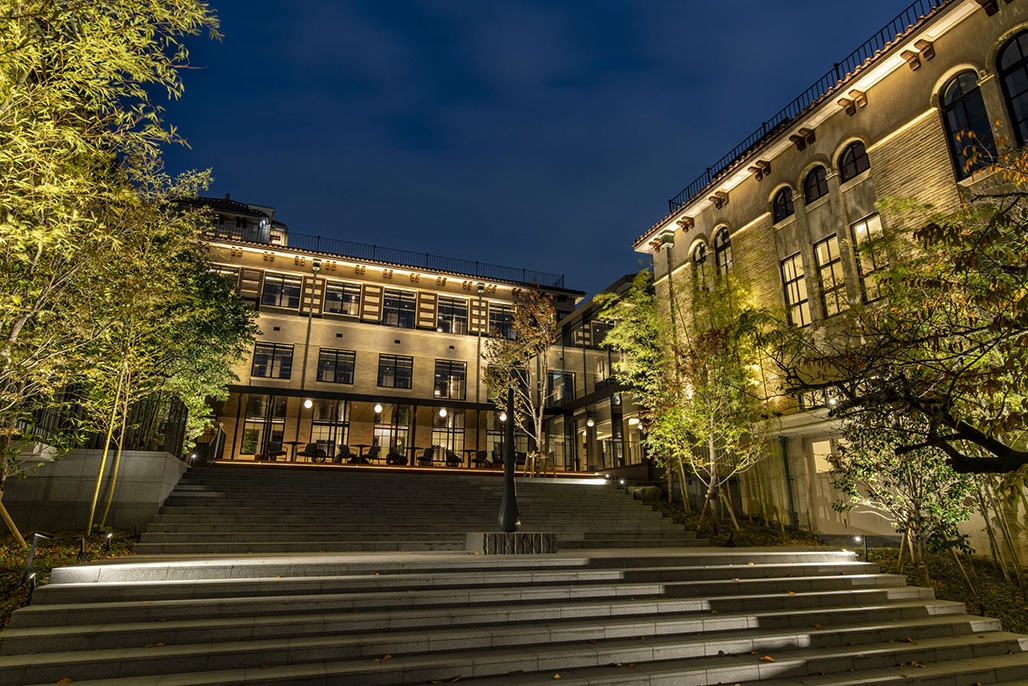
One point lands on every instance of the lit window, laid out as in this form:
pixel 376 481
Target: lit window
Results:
pixel 699 266
pixel 343 298
pixel 398 308
pixel 871 255
pixel 560 386
pixel 501 320
pixel 815 185
pixel 853 161
pixel 395 371
pixel 281 290
pixel 781 206
pixel 452 315
pixel 272 361
pixel 336 366
pixel 829 271
pixel 1012 66
pixel 723 252
pixel 795 285
pixel 967 124
pixel 450 379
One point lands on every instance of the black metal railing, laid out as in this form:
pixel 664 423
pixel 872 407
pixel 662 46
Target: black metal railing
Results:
pixel 406 258
pixel 907 20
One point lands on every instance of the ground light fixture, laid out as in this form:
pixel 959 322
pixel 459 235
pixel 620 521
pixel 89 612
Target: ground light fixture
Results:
pixel 862 539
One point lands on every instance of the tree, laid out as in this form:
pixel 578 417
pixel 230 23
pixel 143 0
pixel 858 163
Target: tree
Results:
pixel 76 115
pixel 523 362
pixel 947 342
pixel 694 380
pixel 917 492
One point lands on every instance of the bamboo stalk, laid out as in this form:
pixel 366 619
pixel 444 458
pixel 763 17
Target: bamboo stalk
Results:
pixel 993 544
pixel 103 457
pixel 1005 528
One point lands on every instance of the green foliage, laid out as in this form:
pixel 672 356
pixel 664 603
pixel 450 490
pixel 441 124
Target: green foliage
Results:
pixel 916 490
pixel 695 379
pixel 521 363
pixel 947 343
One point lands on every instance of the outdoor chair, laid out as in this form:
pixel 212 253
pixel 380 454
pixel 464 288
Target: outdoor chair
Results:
pixel 344 454
pixel 452 460
pixel 428 457
pixel 272 453
pixel 395 458
pixel 313 452
pixel 482 459
pixel 372 453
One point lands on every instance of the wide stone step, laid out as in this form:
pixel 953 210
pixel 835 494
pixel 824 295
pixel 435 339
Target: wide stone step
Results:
pixel 423 608
pixel 246 587
pixel 682 655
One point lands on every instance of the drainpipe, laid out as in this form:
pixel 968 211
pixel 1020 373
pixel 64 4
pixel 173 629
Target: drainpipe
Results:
pixel 784 442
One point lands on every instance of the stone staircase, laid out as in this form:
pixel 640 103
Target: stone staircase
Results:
pixel 630 616
pixel 274 509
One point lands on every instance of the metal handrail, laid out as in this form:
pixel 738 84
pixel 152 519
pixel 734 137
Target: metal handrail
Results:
pixel 907 20
pixel 407 258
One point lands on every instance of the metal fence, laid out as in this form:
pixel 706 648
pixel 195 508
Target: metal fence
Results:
pixel 907 20
pixel 406 258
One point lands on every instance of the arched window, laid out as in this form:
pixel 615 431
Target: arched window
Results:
pixel 1012 66
pixel 699 266
pixel 723 251
pixel 781 206
pixel 963 113
pixel 815 185
pixel 853 161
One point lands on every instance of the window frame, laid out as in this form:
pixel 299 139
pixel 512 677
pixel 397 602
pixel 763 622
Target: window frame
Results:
pixel 831 276
pixel 1004 74
pixel 451 316
pixel 795 285
pixel 820 184
pixel 277 296
pixel 450 380
pixel 782 205
pixel 864 255
pixel 280 353
pixel 346 298
pixel 956 149
pixel 850 161
pixel 723 251
pixel 403 305
pixel 397 364
pixel 699 262
pixel 335 355
pixel 502 328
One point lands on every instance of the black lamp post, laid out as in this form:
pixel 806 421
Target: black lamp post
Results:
pixel 509 516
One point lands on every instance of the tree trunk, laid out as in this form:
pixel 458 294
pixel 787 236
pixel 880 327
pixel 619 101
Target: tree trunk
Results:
pixel 997 557
pixel 681 481
pixel 103 457
pixel 117 458
pixel 731 513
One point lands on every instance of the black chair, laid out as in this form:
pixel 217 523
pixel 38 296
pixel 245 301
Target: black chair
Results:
pixel 428 457
pixel 313 452
pixel 482 459
pixel 372 454
pixel 344 454
pixel 395 458
pixel 272 453
pixel 452 460
pixel 520 459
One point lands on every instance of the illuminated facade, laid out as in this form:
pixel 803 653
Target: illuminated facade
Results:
pixel 784 209
pixel 363 350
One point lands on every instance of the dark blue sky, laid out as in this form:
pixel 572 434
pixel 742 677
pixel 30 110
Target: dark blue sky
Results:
pixel 545 135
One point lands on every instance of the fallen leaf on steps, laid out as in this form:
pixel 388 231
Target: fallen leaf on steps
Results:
pixel 818 626
pixel 767 658
pixel 556 676
pixel 66 681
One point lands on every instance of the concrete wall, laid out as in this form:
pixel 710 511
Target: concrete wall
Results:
pixel 55 496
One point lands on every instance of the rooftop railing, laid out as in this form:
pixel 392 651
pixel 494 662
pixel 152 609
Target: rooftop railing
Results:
pixel 406 258
pixel 908 19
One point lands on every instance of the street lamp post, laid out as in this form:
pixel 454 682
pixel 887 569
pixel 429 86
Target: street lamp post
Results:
pixel 509 515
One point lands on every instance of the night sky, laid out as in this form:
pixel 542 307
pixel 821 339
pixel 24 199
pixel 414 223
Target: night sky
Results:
pixel 545 135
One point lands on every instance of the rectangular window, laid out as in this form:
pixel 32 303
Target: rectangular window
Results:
pixel 392 428
pixel 829 271
pixel 450 379
pixel 272 360
pixel 399 308
pixel 560 386
pixel 264 422
pixel 395 371
pixel 336 366
pixel 281 290
pixel 871 256
pixel 343 298
pixel 452 315
pixel 795 290
pixel 501 320
pixel 330 424
pixel 448 434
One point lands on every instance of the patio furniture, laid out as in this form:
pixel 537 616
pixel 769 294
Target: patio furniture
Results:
pixel 482 459
pixel 344 454
pixel 452 460
pixel 395 458
pixel 427 457
pixel 313 452
pixel 272 452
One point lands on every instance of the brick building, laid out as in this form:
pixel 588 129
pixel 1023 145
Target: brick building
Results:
pixel 784 209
